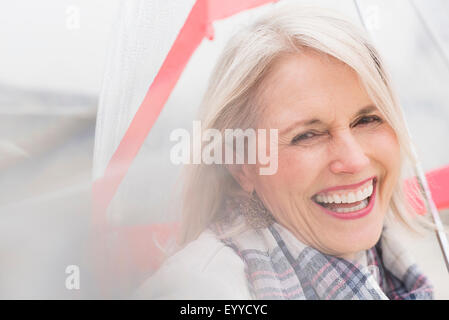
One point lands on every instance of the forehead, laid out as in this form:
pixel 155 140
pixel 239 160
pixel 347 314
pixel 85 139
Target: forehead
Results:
pixel 310 84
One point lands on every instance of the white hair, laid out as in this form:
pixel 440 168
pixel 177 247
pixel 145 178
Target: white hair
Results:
pixel 231 100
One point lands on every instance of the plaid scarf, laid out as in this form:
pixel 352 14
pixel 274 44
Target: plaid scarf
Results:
pixel 279 266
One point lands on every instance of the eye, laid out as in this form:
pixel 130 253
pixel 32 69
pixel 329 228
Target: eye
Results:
pixel 307 136
pixel 368 120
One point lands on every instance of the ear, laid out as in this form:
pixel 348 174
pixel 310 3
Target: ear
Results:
pixel 242 174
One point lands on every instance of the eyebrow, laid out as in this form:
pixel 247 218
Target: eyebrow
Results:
pixel 308 122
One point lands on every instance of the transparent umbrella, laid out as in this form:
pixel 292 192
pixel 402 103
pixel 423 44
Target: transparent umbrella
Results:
pixel 426 35
pixel 156 74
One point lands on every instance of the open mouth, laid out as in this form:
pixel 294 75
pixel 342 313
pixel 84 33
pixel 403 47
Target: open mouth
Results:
pixel 348 201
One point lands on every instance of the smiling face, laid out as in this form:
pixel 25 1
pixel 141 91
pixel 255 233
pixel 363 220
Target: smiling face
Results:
pixel 338 158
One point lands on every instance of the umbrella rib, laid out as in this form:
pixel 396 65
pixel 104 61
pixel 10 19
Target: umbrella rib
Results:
pixel 423 184
pixel 359 13
pixel 422 181
pixel 431 34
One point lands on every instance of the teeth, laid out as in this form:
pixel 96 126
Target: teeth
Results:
pixel 362 205
pixel 337 199
pixel 349 197
pixel 365 193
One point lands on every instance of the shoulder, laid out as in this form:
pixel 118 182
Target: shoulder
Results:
pixel 205 269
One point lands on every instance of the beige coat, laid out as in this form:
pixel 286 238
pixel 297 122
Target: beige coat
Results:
pixel 204 269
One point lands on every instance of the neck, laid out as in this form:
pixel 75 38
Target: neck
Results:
pixel 356 257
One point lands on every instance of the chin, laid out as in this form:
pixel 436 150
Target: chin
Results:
pixel 358 238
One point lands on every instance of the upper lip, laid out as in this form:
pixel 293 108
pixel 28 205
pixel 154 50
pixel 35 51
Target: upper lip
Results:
pixel 347 186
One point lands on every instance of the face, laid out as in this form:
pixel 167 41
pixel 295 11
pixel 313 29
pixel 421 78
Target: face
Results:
pixel 338 158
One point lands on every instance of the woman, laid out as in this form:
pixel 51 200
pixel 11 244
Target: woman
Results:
pixel 316 228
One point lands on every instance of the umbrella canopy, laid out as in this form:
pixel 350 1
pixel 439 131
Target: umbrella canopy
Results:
pixel 135 181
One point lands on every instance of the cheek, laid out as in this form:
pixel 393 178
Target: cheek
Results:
pixel 383 147
pixel 287 192
pixel 298 169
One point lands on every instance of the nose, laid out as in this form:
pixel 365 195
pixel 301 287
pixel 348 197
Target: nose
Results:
pixel 348 156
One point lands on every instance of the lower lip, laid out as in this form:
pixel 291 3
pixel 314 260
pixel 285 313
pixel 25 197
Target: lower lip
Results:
pixel 354 214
